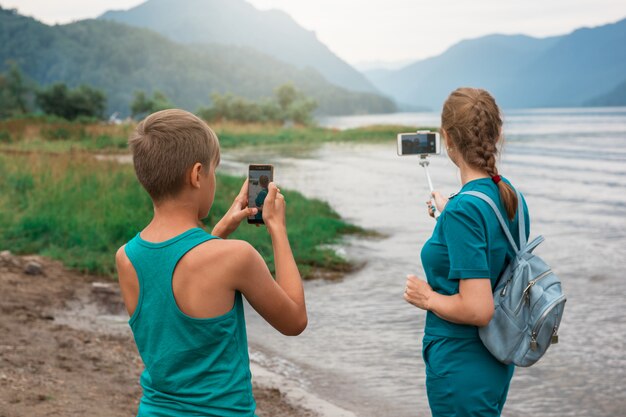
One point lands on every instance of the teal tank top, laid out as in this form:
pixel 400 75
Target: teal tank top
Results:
pixel 193 366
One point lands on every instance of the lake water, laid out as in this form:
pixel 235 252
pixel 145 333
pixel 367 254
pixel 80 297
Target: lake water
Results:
pixel 362 349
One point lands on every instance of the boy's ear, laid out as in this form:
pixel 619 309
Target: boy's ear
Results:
pixel 196 172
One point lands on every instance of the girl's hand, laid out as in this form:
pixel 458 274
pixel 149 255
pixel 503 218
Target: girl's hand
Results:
pixel 440 203
pixel 417 292
pixel 237 212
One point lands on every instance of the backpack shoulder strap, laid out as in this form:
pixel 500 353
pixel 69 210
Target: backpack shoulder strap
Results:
pixel 503 224
pixel 521 220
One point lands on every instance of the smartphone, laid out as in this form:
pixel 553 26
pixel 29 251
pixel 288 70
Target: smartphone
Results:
pixel 419 143
pixel 259 177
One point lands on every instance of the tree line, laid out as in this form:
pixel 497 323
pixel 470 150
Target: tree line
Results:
pixel 19 96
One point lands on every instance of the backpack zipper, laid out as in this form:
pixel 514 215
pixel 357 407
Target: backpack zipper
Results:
pixel 506 285
pixel 533 334
pixel 526 293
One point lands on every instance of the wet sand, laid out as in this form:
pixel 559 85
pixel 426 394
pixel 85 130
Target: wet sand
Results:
pixel 51 368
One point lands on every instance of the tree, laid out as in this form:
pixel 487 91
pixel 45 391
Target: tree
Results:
pixel 287 104
pixel 14 92
pixel 61 101
pixel 286 94
pixel 143 105
pixel 301 111
pixel 295 106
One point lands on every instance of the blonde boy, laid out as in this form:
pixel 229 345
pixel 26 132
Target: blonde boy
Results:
pixel 183 287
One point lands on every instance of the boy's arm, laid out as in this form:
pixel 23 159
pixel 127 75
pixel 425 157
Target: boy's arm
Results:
pixel 237 212
pixel 281 301
pixel 127 277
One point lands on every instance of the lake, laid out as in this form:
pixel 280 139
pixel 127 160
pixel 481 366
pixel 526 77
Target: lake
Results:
pixel 362 349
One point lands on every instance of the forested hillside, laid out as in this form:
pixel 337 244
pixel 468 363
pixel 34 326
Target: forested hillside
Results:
pixel 120 59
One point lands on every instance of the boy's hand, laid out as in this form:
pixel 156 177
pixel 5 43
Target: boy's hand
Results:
pixel 274 209
pixel 235 214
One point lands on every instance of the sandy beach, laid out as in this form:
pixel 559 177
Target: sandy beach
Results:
pixel 67 351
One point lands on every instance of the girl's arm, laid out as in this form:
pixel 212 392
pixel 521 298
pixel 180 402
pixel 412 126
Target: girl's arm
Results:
pixel 472 305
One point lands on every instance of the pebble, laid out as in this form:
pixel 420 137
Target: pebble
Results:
pixel 8 259
pixel 33 268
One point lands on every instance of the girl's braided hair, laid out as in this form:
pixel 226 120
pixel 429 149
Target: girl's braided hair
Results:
pixel 472 121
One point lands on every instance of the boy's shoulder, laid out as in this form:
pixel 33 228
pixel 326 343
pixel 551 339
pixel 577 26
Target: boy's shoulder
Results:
pixel 226 254
pixel 121 259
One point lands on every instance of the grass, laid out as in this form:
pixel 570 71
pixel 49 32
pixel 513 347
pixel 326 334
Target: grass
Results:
pixel 58 201
pixel 78 210
pixel 57 135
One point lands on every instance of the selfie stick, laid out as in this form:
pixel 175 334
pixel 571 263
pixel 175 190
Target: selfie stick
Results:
pixel 424 163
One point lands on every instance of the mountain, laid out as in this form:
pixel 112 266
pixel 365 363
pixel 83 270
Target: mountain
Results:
pixel 121 59
pixel 237 22
pixel 615 97
pixel 472 62
pixel 520 71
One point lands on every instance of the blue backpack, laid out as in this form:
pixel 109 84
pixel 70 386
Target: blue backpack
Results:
pixel 528 300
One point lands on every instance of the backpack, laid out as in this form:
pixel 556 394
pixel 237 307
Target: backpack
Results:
pixel 528 300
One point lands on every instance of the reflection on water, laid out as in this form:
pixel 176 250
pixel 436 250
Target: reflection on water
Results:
pixel 362 348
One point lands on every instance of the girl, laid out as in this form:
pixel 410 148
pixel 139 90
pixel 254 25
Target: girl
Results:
pixel 462 260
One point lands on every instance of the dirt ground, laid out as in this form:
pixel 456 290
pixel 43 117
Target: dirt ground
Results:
pixel 49 368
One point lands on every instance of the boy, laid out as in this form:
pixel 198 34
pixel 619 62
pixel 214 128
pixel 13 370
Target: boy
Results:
pixel 183 287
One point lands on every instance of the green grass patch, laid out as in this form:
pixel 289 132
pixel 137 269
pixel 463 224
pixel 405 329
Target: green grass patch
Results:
pixel 78 210
pixel 50 134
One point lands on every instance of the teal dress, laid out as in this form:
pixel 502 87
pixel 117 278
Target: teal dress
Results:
pixel 462 377
pixel 193 366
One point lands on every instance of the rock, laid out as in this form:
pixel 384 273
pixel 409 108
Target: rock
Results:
pixel 8 259
pixel 33 268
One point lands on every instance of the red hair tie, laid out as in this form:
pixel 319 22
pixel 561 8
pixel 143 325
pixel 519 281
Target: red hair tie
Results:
pixel 496 179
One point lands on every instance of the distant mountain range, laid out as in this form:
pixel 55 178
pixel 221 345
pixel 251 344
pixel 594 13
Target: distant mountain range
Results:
pixel 615 97
pixel 189 49
pixel 585 67
pixel 121 59
pixel 237 22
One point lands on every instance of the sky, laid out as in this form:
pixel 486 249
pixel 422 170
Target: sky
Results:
pixel 389 33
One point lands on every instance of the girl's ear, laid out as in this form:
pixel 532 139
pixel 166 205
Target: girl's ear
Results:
pixel 196 172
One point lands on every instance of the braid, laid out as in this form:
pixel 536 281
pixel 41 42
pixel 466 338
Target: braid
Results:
pixel 481 150
pixel 475 112
pixel 486 146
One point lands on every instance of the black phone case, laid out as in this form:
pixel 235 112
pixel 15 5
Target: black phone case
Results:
pixel 271 169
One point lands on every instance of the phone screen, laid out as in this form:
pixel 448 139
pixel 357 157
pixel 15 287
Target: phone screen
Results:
pixel 259 177
pixel 418 143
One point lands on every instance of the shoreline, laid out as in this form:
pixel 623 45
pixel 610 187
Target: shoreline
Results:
pixel 68 349
pixel 306 403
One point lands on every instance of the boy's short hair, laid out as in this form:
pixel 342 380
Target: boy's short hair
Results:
pixel 166 145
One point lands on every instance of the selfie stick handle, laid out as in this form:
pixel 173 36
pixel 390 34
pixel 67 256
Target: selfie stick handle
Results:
pixel 424 162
